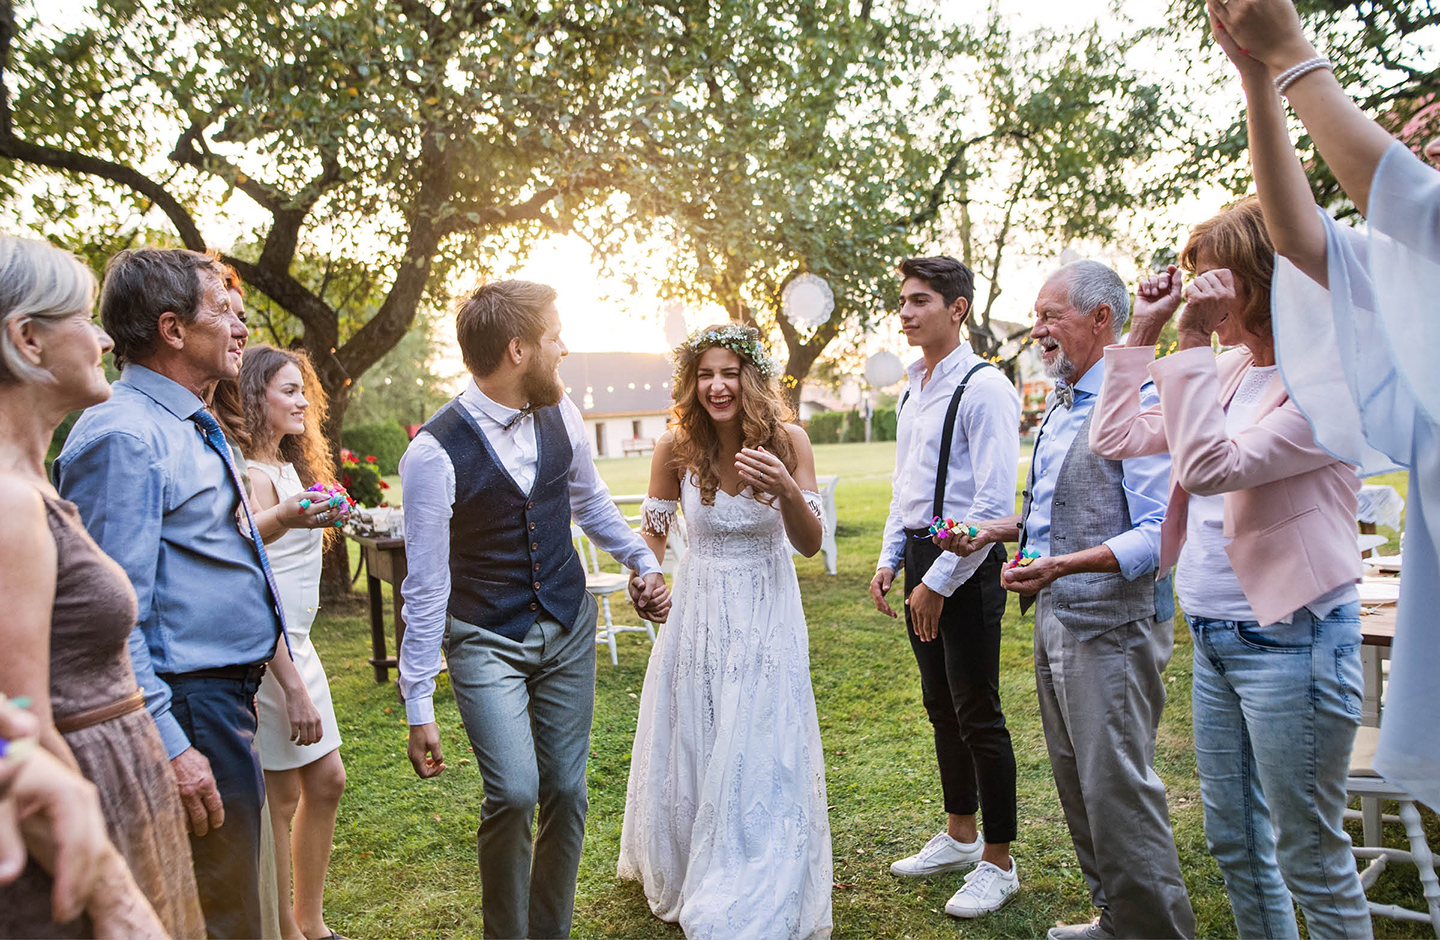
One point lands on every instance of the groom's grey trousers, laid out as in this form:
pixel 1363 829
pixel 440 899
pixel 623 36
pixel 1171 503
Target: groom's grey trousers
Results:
pixel 1100 704
pixel 527 706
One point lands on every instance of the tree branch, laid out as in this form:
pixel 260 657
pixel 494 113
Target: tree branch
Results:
pixel 12 147
pixel 931 206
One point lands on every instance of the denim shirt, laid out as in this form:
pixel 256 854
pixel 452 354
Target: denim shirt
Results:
pixel 161 502
pixel 1147 480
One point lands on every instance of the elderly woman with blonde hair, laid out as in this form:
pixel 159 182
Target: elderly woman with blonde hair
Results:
pixel 69 608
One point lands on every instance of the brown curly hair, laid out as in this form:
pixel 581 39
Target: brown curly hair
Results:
pixel 240 407
pixel 1237 240
pixel 763 414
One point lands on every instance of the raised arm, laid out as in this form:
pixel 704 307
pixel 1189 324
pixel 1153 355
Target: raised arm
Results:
pixel 1350 143
pixel 1122 428
pixel 1285 197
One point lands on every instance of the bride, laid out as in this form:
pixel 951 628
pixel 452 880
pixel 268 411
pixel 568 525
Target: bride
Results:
pixel 725 819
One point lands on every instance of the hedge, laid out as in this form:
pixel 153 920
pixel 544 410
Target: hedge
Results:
pixel 387 440
pixel 825 427
pixel 830 427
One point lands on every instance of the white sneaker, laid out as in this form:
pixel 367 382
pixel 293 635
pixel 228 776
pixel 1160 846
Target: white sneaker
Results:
pixel 986 889
pixel 1090 931
pixel 941 854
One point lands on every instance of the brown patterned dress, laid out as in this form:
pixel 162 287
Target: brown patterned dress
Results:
pixel 91 621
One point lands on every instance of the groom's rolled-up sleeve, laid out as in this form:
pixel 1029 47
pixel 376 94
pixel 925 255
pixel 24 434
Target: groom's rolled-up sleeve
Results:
pixel 591 506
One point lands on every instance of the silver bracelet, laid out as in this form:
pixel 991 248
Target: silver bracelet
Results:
pixel 1294 73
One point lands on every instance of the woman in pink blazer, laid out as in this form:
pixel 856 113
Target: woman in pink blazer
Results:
pixel 1262 523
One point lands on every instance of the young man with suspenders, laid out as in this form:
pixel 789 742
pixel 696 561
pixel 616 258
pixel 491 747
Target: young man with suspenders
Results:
pixel 957 449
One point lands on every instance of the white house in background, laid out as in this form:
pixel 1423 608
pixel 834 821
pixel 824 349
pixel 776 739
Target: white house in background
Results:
pixel 625 398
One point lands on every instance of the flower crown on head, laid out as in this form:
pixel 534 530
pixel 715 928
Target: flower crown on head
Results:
pixel 741 340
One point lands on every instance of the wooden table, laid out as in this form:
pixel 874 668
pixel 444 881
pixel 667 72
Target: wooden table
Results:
pixel 1377 633
pixel 384 560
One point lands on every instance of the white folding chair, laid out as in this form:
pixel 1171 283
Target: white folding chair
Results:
pixel 1365 783
pixel 601 585
pixel 828 549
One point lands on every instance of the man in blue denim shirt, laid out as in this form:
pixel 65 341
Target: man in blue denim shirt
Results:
pixel 164 504
pixel 1104 628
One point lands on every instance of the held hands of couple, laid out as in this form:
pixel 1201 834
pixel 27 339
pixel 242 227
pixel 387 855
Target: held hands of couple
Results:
pixel 651 597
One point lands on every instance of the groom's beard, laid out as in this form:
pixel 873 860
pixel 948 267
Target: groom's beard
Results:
pixel 1060 368
pixel 541 386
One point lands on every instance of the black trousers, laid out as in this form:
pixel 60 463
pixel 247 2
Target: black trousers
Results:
pixel 960 685
pixel 218 715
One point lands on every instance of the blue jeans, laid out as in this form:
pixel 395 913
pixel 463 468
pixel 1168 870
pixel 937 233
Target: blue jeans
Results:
pixel 1275 711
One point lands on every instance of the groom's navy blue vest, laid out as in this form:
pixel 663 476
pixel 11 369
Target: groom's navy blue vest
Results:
pixel 511 558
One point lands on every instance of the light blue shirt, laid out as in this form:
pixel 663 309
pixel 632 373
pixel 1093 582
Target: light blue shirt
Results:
pixel 1146 480
pixel 161 502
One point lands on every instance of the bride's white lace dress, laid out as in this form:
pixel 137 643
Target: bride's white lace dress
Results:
pixel 725 817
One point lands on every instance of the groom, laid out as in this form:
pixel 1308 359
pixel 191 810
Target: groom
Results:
pixel 490 485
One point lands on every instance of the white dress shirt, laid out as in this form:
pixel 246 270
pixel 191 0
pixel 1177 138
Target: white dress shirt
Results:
pixel 983 460
pixel 427 480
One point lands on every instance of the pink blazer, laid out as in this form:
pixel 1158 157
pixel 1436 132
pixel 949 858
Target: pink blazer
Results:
pixel 1289 506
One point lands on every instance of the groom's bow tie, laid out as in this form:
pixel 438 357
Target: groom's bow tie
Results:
pixel 518 416
pixel 1065 394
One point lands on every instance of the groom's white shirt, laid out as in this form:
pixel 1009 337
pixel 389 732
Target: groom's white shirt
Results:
pixel 427 480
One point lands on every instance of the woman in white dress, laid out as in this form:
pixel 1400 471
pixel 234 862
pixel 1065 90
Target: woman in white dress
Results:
pixel 277 420
pixel 725 815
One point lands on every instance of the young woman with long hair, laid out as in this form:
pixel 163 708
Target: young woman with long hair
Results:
pixel 274 411
pixel 725 816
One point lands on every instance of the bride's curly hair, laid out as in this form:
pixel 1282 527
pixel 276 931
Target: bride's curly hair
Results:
pixel 763 412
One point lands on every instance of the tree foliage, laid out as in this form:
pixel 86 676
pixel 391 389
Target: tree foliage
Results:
pixel 874 134
pixel 393 138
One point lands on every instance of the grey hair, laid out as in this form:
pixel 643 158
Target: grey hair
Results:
pixel 1091 284
pixel 37 282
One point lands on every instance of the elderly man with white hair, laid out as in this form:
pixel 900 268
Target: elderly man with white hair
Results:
pixel 1103 622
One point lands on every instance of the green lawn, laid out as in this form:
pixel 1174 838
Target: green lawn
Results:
pixel 404 861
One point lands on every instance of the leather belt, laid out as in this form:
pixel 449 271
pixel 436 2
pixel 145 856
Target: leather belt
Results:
pixel 248 673
pixel 94 716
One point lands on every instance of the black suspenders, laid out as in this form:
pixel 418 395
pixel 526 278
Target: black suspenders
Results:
pixel 942 471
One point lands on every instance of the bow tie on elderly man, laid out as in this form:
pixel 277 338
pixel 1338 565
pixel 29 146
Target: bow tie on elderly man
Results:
pixel 1064 394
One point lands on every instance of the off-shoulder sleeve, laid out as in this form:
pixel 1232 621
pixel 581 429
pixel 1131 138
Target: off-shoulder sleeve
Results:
pixel 816 504
pixel 657 516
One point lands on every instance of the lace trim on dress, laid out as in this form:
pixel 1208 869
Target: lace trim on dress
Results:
pixel 816 504
pixel 657 515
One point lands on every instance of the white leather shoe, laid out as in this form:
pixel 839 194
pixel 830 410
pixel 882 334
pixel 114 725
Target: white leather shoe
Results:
pixel 940 854
pixel 986 890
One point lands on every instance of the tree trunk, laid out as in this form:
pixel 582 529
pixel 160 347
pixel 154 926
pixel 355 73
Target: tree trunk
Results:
pixel 335 570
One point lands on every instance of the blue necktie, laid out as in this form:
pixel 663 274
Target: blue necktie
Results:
pixel 210 428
